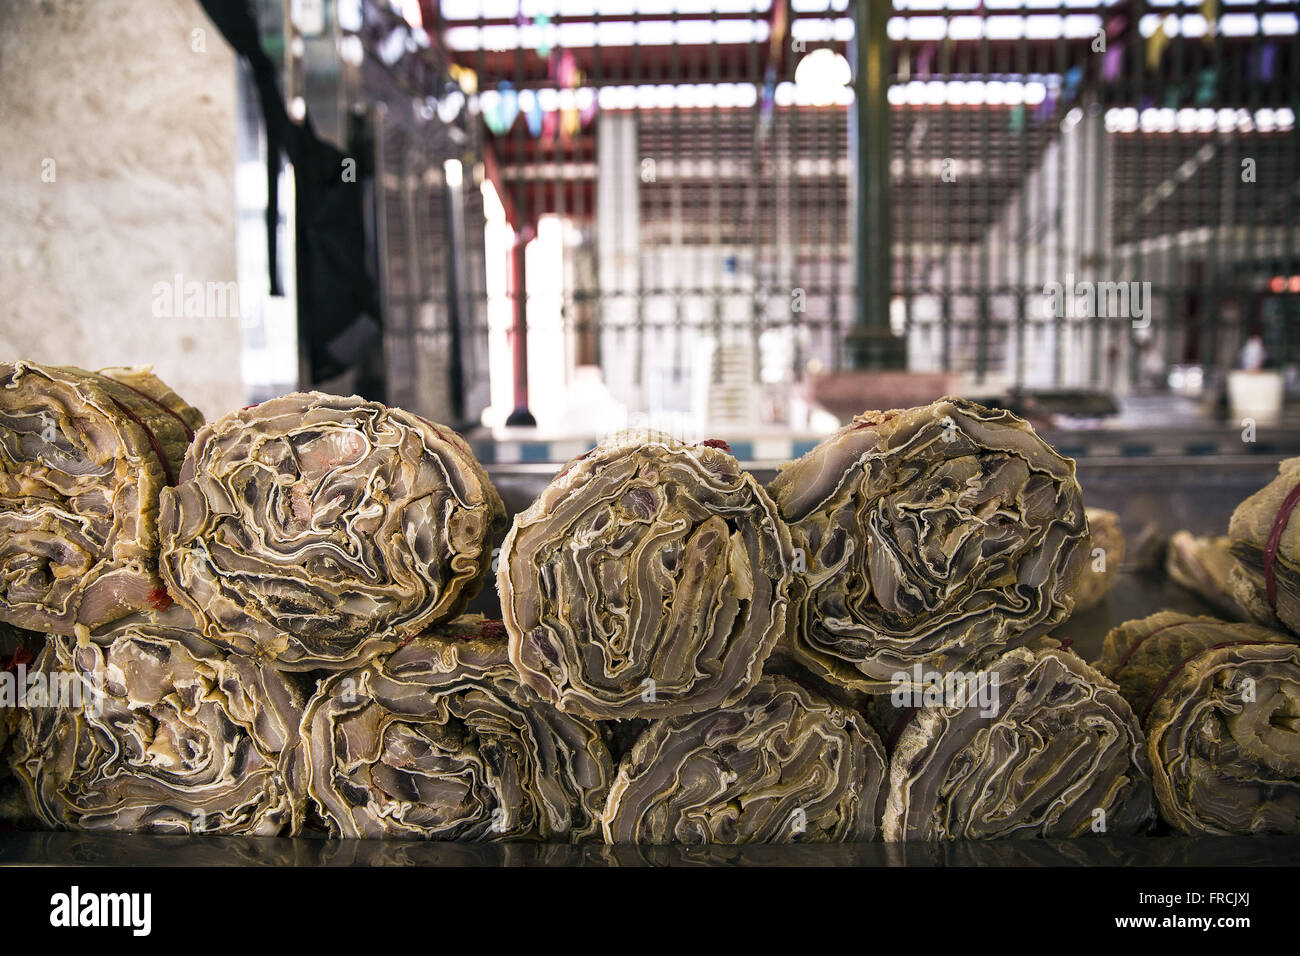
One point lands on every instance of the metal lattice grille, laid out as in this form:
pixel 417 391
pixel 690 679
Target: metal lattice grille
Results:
pixel 710 194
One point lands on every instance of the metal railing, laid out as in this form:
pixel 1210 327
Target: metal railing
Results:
pixel 1074 193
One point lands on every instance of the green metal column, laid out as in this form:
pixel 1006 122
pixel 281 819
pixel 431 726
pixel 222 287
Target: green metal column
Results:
pixel 870 343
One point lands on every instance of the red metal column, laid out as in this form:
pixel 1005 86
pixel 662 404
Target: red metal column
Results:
pixel 519 331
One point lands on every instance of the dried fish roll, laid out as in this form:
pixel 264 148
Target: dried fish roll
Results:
pixel 1104 554
pixel 1058 754
pixel 1220 702
pixel 83 459
pixel 932 536
pixel 314 531
pixel 649 579
pixel 783 765
pixel 439 741
pixel 146 727
pixel 1265 535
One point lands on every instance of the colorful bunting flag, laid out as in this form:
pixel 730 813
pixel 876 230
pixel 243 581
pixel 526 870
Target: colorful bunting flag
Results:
pixel 502 115
pixel 543 24
pixel 1156 44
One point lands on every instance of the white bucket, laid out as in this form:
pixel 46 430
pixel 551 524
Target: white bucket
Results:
pixel 1256 395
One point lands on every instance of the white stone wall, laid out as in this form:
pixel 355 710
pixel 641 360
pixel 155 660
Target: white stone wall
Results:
pixel 140 128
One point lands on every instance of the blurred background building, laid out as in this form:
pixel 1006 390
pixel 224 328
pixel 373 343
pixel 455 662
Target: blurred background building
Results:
pixel 751 218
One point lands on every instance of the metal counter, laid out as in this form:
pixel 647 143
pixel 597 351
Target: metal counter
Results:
pixel 116 849
pixel 1152 497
